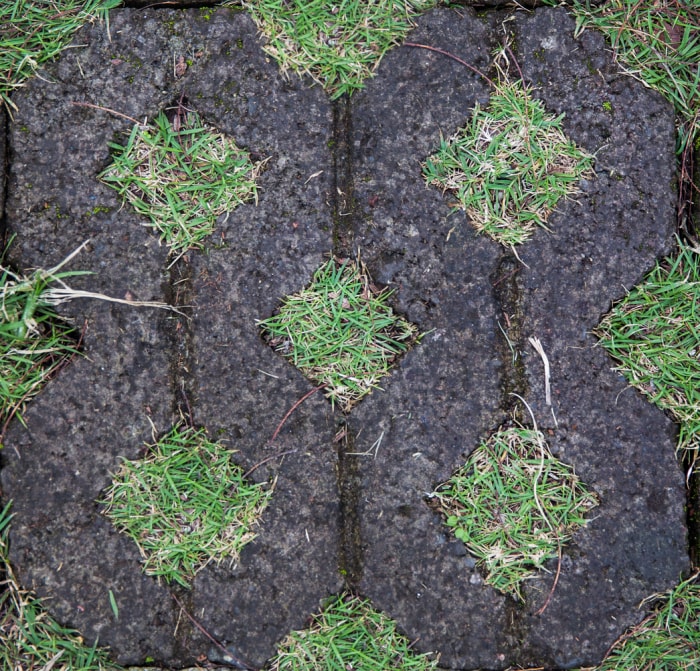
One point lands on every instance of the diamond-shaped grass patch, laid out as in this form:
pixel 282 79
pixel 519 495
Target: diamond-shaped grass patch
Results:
pixel 340 332
pixel 348 634
pixel 34 341
pixel 339 44
pixel 654 335
pixel 182 175
pixel 513 505
pixel 185 504
pixel 509 166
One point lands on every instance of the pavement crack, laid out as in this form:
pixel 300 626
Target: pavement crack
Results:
pixel 343 209
pixel 4 172
pixel 693 518
pixel 350 554
pixel 179 292
pixel 508 299
pixel 342 198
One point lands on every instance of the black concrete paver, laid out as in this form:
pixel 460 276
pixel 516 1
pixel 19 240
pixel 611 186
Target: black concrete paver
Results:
pixel 343 177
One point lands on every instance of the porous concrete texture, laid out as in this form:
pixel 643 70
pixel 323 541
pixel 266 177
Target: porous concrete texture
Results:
pixel 349 508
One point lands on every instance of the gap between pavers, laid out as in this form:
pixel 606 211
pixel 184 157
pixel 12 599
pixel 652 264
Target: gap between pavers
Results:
pixel 447 394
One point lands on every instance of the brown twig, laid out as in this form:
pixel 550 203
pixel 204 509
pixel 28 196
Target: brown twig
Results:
pixel 292 409
pixel 452 56
pixel 106 109
pixel 241 664
pixel 554 584
pixel 264 461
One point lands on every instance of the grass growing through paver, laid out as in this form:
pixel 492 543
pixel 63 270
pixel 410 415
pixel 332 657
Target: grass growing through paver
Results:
pixel 31 640
pixel 185 504
pixel 666 640
pixel 340 332
pixel 35 31
pixel 654 335
pixel 338 44
pixel 348 634
pixel 34 341
pixel 510 165
pixel 513 505
pixel 182 175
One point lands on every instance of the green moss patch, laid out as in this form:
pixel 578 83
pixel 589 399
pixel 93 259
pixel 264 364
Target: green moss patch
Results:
pixel 338 44
pixel 182 175
pixel 185 504
pixel 340 332
pixel 509 166
pixel 513 505
pixel 348 634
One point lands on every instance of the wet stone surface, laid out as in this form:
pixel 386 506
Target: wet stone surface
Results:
pixel 340 178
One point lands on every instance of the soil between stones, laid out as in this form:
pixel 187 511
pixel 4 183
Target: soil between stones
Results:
pixel 343 177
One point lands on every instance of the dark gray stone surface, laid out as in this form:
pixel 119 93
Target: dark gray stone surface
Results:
pixel 343 177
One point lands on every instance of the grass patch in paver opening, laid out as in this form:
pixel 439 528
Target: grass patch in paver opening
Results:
pixel 340 332
pixel 509 166
pixel 35 31
pixel 338 44
pixel 666 640
pixel 31 640
pixel 34 341
pixel 348 634
pixel 654 335
pixel 185 504
pixel 513 505
pixel 182 175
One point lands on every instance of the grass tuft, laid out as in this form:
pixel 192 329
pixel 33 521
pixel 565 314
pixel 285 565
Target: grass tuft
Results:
pixel 340 332
pixel 33 32
pixel 509 166
pixel 185 504
pixel 654 335
pixel 666 640
pixel 513 505
pixel 348 634
pixel 30 640
pixel 182 175
pixel 338 44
